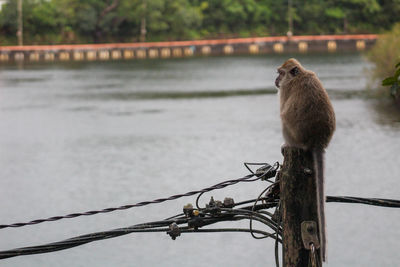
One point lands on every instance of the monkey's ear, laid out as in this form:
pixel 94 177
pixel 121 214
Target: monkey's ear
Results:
pixel 294 71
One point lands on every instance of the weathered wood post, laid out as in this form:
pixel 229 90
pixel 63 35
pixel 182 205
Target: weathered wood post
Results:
pixel 298 196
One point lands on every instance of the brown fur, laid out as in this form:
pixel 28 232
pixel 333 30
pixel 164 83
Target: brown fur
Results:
pixel 308 121
pixel 307 114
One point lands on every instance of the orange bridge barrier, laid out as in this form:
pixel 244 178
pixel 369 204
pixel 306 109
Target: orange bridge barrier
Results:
pixel 115 51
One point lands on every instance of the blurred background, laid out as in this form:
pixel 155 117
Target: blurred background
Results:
pixel 87 21
pixel 84 135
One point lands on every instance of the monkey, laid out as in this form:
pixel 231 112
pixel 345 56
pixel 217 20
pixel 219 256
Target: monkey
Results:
pixel 308 122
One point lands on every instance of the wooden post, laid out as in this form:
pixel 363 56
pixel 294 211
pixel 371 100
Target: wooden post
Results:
pixel 298 204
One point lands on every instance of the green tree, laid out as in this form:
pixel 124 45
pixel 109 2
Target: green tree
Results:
pixel 44 22
pixel 356 15
pixel 71 21
pixel 41 19
pixel 243 17
pixel 182 19
pixel 386 54
pixel 8 20
pixel 94 18
pixel 165 19
pixel 393 82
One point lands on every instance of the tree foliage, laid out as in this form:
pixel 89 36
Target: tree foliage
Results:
pixel 386 56
pixel 75 21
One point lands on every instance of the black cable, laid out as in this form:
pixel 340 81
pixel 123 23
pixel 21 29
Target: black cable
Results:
pixel 278 222
pixel 258 217
pixel 221 185
pixel 382 202
pixel 157 226
pixel 345 199
pixel 207 216
pixel 264 174
pixel 53 247
pixel 218 186
pixel 255 203
pixel 248 212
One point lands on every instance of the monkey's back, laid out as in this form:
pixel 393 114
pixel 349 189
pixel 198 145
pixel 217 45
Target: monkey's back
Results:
pixel 307 112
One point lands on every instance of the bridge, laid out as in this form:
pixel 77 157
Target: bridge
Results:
pixel 127 51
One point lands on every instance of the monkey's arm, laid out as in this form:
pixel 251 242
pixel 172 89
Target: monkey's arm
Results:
pixel 293 122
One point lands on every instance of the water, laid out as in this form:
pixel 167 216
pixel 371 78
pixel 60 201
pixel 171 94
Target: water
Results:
pixel 83 136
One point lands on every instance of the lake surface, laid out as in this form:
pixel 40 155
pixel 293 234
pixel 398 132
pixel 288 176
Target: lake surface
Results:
pixel 83 136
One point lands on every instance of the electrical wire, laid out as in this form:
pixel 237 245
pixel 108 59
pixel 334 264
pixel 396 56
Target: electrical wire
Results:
pixel 208 217
pixel 381 202
pixel 271 173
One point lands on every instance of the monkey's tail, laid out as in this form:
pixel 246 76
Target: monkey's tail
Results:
pixel 318 155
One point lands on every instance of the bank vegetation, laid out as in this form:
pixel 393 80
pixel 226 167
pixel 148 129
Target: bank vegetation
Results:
pixel 101 21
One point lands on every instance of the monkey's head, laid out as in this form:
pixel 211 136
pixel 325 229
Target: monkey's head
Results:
pixel 289 70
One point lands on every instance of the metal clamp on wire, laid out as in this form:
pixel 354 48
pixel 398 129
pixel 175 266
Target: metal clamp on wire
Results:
pixel 174 231
pixel 188 210
pixel 214 206
pixel 195 218
pixel 266 171
pixel 196 222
